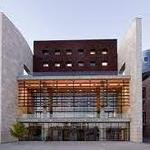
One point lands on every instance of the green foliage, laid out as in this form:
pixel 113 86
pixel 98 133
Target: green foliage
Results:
pixel 18 130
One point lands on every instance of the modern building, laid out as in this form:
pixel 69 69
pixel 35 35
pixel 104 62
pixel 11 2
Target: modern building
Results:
pixel 146 105
pixel 79 90
pixel 146 97
pixel 146 61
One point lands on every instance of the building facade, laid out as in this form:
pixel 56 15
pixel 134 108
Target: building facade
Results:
pixel 146 61
pixel 82 98
pixel 146 97
pixel 79 90
pixel 75 56
pixel 146 104
pixel 75 108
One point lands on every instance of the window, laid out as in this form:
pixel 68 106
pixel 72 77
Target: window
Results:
pixel 57 64
pixel 104 51
pixel 45 52
pixel 92 52
pixel 144 92
pixel 92 63
pixel 145 59
pixel 104 63
pixel 69 64
pixel 81 64
pixel 45 65
pixel 68 52
pixel 81 51
pixel 57 52
pixel 110 99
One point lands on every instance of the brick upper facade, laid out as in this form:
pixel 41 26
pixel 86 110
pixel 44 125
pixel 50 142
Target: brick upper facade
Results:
pixel 75 55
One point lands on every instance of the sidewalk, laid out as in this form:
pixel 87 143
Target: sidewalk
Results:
pixel 75 146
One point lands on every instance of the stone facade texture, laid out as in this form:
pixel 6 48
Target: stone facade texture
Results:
pixel 130 54
pixel 14 54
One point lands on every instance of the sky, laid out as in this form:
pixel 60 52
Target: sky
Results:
pixel 77 19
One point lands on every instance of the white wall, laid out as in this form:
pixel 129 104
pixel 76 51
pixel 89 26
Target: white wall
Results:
pixel 14 53
pixel 130 52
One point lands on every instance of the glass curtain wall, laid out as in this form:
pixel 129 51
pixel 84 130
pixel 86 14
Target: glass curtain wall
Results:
pixel 73 98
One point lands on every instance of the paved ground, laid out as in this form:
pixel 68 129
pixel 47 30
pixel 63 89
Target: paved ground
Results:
pixel 75 146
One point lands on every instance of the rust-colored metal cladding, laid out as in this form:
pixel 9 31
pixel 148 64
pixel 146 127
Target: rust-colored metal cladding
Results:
pixel 75 55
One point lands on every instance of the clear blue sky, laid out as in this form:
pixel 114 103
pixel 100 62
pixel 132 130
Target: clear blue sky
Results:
pixel 76 19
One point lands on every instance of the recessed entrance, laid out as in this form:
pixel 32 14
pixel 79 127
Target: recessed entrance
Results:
pixel 34 133
pixel 78 131
pixel 72 134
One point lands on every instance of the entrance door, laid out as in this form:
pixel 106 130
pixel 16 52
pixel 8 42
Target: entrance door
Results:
pixel 116 134
pixel 54 134
pixel 80 135
pixel 92 134
pixel 35 133
pixel 66 135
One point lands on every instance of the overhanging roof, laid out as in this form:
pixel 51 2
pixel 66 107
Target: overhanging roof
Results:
pixel 30 77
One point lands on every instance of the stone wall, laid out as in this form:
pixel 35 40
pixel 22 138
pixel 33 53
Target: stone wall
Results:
pixel 14 53
pixel 130 53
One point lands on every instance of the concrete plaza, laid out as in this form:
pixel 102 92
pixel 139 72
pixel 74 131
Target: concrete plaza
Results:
pixel 75 146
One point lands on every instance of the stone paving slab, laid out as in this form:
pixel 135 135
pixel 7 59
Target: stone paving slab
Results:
pixel 75 146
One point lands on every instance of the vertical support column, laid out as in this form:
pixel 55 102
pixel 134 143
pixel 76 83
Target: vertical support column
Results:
pixel 136 85
pixel 44 132
pixel 98 101
pixel 73 94
pixel 50 103
pixel 130 53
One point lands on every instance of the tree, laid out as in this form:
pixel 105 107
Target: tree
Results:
pixel 18 130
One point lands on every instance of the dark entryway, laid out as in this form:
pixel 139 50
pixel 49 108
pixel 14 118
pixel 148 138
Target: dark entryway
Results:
pixel 34 133
pixel 78 131
pixel 116 134
pixel 72 134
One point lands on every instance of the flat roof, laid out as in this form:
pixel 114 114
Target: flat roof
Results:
pixel 74 40
pixel 69 77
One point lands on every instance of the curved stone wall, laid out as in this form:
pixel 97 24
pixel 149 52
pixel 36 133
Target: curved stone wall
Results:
pixel 14 54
